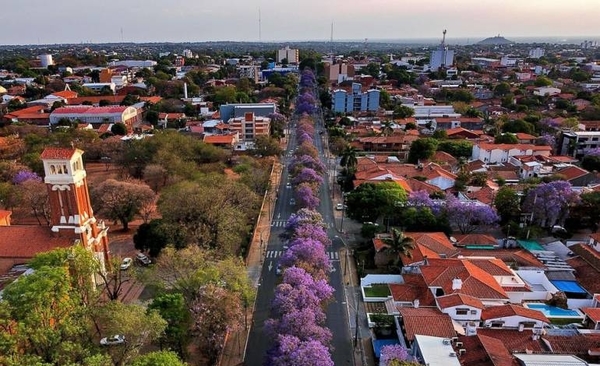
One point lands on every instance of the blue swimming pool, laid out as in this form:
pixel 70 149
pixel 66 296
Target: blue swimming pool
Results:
pixel 553 311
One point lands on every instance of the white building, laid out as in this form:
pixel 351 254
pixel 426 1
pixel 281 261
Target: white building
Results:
pixel 96 115
pixel 513 316
pixel 134 63
pixel 291 54
pixel 46 60
pixel 500 153
pixel 434 351
pixel 537 52
pixel 546 91
pixel 99 86
pixel 251 72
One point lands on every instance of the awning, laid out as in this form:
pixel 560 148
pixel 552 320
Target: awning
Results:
pixel 569 286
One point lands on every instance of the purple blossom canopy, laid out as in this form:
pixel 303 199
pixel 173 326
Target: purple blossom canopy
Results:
pixel 301 323
pixel 298 278
pixel 549 202
pixel 290 350
pixel 468 216
pixel 306 161
pixel 305 197
pixel 308 175
pixel 420 199
pixel 547 139
pixel 289 298
pixel 307 251
pixel 304 137
pixel 25 175
pixel 391 353
pixel 310 231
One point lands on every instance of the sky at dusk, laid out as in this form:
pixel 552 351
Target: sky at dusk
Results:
pixel 75 21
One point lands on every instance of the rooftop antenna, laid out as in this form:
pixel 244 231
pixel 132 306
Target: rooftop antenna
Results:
pixel 259 27
pixel 331 39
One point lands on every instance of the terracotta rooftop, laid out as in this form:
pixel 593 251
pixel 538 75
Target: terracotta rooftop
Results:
pixel 572 172
pixel 452 300
pixel 58 153
pixel 587 276
pixel 219 139
pixel 483 350
pixel 25 241
pixel 592 313
pixel 495 312
pixel 475 281
pixel 67 94
pixel 426 321
pixel 514 340
pixel 474 239
pixel 413 288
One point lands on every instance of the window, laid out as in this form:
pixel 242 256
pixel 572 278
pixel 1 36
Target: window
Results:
pixel 497 324
pixel 528 324
pixel 462 311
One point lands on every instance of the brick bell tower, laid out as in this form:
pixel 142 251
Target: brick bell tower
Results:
pixel 70 205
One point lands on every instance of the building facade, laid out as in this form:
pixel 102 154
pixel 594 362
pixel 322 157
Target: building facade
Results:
pixel 250 126
pixel 97 115
pixel 356 100
pixel 292 55
pixel 228 111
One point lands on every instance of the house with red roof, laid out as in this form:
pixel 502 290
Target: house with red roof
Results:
pixel 461 308
pixel 424 321
pixel 513 316
pixel 97 115
pixel 426 245
pixel 500 153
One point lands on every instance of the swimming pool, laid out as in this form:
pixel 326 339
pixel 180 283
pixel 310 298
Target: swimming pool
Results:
pixel 554 312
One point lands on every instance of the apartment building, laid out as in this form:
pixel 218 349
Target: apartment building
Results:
pixel 355 100
pixel 250 126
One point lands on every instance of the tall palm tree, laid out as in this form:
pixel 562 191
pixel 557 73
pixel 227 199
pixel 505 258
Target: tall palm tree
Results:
pixel 349 158
pixel 399 244
pixel 387 128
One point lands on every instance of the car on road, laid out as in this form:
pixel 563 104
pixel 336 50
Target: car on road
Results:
pixel 288 185
pixel 126 263
pixel 112 340
pixel 278 270
pixel 143 259
pixel 292 201
pixel 339 206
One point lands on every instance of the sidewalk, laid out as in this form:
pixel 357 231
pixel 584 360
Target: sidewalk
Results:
pixel 235 342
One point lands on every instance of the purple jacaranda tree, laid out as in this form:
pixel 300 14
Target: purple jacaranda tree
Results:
pixel 307 149
pixel 276 117
pixel 303 216
pixel 547 139
pixel 394 352
pixel 305 197
pixel 299 278
pixel 289 298
pixel 549 124
pixel 305 126
pixel 302 323
pixel 25 175
pixel 469 216
pixel 305 107
pixel 306 98
pixel 419 199
pixel 593 152
pixel 307 79
pixel 549 203
pixel 304 137
pixel 290 350
pixel 310 231
pixel 309 176
pixel 299 162
pixel 309 254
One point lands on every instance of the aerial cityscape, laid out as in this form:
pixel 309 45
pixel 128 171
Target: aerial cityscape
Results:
pixel 254 183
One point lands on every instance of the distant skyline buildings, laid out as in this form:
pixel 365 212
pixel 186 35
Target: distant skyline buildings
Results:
pixel 469 21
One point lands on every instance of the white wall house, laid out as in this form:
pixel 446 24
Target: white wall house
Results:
pixel 512 316
pixel 546 91
pixel 461 308
pixel 500 153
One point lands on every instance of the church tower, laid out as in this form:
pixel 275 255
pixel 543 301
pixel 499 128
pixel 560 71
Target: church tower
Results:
pixel 70 205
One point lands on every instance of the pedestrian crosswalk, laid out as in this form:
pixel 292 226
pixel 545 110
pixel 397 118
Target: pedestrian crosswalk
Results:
pixel 282 223
pixel 272 254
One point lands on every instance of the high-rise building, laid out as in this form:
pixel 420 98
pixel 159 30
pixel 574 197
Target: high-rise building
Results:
pixel 292 55
pixel 442 57
pixel 536 52
pixel 355 100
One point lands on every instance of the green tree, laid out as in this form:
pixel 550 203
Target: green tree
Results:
pixel 506 138
pixel 542 81
pixel 402 111
pixel 502 89
pixel 508 204
pixel 158 358
pixel 421 149
pixel 370 201
pixel 119 129
pixel 399 245
pixel 139 325
pixel 172 308
pixel 387 128
pixel 349 159
pixel 266 146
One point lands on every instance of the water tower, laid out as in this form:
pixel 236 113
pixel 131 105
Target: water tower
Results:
pixel 46 60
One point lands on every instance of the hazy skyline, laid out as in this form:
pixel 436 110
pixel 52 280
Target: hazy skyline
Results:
pixel 70 21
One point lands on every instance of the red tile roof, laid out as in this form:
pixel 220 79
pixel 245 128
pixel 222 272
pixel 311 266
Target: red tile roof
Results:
pixel 495 312
pixel 219 139
pixel 413 288
pixel 572 172
pixel 430 245
pixel 592 313
pixel 58 153
pixel 506 147
pixel 67 94
pixel 90 110
pixel 514 340
pixel 475 281
pixel 452 300
pixel 475 239
pixel 426 321
pixel 25 241
pixel 483 350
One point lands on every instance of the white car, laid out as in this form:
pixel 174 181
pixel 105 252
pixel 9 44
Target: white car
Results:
pixel 112 340
pixel 339 206
pixel 288 185
pixel 143 259
pixel 126 263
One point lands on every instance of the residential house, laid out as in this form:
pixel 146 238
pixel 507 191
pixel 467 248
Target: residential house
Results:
pixel 461 308
pixel 546 91
pixel 577 176
pixel 424 321
pixel 426 246
pixel 225 141
pixel 513 316
pixel 97 115
pixel 500 153
pixel 434 351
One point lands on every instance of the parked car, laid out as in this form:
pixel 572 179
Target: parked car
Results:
pixel 126 263
pixel 112 340
pixel 143 259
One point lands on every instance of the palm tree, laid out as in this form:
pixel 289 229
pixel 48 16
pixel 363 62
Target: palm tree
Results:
pixel 387 128
pixel 349 159
pixel 399 244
